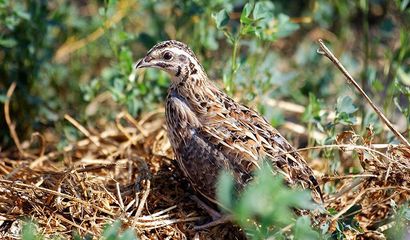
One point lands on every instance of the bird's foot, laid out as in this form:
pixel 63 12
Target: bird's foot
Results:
pixel 216 222
pixel 212 212
pixel 217 218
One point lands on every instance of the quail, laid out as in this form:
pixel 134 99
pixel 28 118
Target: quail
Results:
pixel 210 132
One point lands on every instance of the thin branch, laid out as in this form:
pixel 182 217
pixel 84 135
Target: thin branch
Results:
pixel 326 52
pixel 143 199
pixel 349 176
pixel 10 124
pixel 348 147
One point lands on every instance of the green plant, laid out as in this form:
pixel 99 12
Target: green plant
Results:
pixel 401 217
pixel 264 209
pixel 30 232
pixel 113 232
pixel 257 20
pixel 27 45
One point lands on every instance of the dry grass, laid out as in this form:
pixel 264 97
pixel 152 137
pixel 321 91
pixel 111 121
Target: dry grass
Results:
pixel 119 173
pixel 125 171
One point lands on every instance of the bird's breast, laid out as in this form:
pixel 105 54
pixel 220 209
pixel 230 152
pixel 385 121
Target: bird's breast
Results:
pixel 181 120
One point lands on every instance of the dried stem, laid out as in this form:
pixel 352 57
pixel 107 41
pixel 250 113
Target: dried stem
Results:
pixel 326 52
pixel 10 124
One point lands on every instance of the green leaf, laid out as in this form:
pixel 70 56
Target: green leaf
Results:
pixel 247 9
pixel 3 98
pixel 128 235
pixel 246 20
pixel 404 4
pixel 266 203
pixel 403 76
pixel 22 14
pixel 111 232
pixel 8 43
pixel 345 105
pixel 303 229
pixel 221 18
pixel 126 60
pixel 263 10
pixel 285 26
pixel 248 29
pixel 224 190
pixel 29 232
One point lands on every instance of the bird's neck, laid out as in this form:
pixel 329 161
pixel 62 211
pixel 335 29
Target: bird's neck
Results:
pixel 194 87
pixel 189 79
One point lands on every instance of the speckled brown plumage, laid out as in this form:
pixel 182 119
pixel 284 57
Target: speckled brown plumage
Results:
pixel 209 131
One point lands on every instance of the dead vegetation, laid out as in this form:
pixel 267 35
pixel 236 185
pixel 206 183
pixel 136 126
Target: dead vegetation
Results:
pixel 126 172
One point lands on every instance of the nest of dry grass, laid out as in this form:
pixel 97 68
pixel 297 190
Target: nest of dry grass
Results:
pixel 125 171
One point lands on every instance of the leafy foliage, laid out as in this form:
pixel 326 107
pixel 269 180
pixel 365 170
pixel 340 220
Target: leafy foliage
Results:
pixel 29 232
pixel 257 20
pixel 401 220
pixel 111 232
pixel 266 205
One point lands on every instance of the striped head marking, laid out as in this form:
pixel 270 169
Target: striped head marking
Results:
pixel 171 56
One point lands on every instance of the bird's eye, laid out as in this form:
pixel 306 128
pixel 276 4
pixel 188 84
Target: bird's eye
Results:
pixel 167 55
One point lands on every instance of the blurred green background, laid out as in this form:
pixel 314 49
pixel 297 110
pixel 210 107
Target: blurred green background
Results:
pixel 75 57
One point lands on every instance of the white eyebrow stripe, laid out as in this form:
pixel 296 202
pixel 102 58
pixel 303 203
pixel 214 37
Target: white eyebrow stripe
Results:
pixel 180 51
pixel 191 58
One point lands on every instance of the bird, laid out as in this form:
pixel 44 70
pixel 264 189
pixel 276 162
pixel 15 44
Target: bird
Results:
pixel 210 132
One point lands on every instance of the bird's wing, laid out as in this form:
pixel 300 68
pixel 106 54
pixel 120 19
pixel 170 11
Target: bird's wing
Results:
pixel 243 132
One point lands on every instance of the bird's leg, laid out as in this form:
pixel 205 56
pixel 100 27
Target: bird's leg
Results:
pixel 212 212
pixel 217 218
pixel 221 220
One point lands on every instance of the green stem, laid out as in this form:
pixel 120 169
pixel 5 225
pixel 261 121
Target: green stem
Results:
pixel 234 67
pixel 311 140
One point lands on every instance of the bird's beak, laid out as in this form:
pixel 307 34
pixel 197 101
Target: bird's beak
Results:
pixel 143 62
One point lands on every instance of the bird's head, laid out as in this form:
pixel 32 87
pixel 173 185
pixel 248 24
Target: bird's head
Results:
pixel 171 56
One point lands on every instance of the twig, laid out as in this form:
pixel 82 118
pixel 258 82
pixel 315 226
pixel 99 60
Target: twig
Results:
pixel 354 184
pixel 156 215
pixel 130 119
pixel 82 129
pixel 121 202
pixel 143 199
pixel 326 52
pixel 167 222
pixel 12 127
pixel 93 139
pixel 42 141
pixel 63 219
pixel 332 178
pixel 348 147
